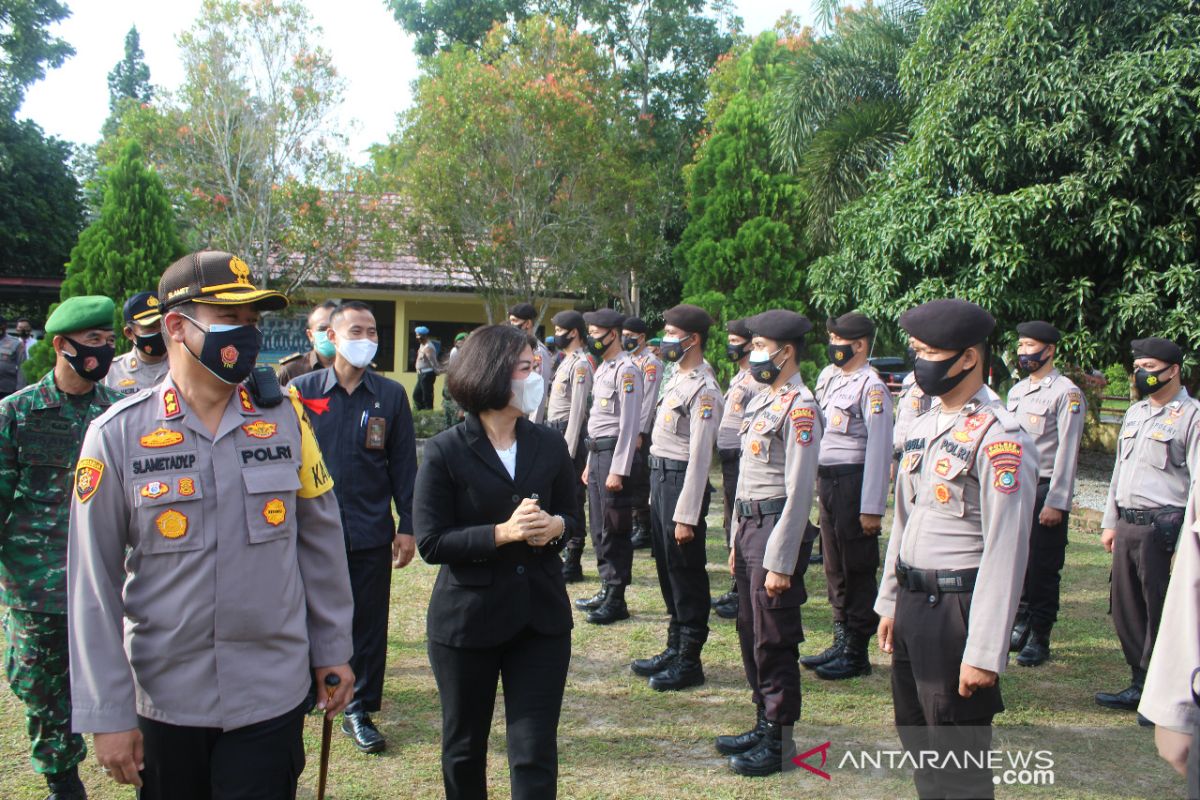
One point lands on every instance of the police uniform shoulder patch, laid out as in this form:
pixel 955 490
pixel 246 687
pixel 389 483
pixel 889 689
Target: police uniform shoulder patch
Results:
pixel 1005 456
pixel 1074 400
pixel 875 400
pixel 88 473
pixel 627 383
pixel 650 373
pixel 706 406
pixel 802 422
pixel 580 374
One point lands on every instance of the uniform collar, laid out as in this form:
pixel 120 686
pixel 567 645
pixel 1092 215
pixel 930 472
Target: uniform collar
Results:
pixel 49 395
pixel 331 380
pixel 1046 382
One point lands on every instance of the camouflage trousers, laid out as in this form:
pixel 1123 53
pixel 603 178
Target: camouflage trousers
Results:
pixel 36 664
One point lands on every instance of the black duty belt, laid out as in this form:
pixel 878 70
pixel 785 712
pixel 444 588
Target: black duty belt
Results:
pixel 559 425
pixel 667 464
pixel 1141 516
pixel 839 470
pixel 729 454
pixel 601 444
pixel 760 508
pixel 935 581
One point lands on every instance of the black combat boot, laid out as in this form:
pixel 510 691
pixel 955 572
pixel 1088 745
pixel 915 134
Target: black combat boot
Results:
pixel 640 538
pixel 1037 648
pixel 595 601
pixel 768 756
pixel 613 609
pixel 1020 633
pixel 685 669
pixel 65 785
pixel 829 653
pixel 851 663
pixel 1128 698
pixel 655 664
pixel 572 570
pixel 743 742
pixel 726 606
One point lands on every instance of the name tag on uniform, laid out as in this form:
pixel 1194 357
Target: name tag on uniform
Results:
pixel 376 433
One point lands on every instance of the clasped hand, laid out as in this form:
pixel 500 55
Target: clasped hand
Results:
pixel 529 524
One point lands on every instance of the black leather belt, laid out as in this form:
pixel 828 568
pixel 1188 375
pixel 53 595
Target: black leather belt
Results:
pixel 1141 516
pixel 839 470
pixel 729 454
pixel 935 581
pixel 668 464
pixel 760 508
pixel 601 444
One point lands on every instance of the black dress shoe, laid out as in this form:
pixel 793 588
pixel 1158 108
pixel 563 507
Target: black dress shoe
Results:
pixel 728 597
pixel 65 785
pixel 1020 633
pixel 1036 650
pixel 727 610
pixel 768 756
pixel 1125 700
pixel 593 602
pixel 1145 722
pixel 359 727
pixel 743 742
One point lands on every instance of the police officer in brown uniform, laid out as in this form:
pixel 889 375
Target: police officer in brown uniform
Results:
pixel 956 559
pixel 772 539
pixel 742 388
pixel 322 352
pixel 146 363
pixel 1051 409
pixel 633 341
pixel 685 428
pixel 614 422
pixel 567 413
pixel 207 577
pixel 523 316
pixel 1157 459
pixel 852 483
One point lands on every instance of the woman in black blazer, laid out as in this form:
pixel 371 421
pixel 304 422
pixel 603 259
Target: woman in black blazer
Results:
pixel 495 520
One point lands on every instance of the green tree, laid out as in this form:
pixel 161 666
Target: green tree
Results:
pixel 744 249
pixel 130 78
pixel 29 48
pixel 1052 173
pixel 125 250
pixel 40 210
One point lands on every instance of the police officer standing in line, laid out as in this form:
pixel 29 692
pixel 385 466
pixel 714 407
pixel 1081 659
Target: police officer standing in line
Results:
pixel 1157 460
pixel 12 355
pixel 741 390
pixel 207 577
pixel 853 480
pixel 523 316
pixel 1051 409
pixel 567 413
pixel 427 368
pixel 146 363
pixel 321 354
pixel 365 429
pixel 614 422
pixel 772 539
pixel 952 577
pixel 910 404
pixel 633 340
pixel 685 429
pixel 41 431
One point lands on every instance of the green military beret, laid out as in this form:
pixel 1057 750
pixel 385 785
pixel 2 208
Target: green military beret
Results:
pixel 80 313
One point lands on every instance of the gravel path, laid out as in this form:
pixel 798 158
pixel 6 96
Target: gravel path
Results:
pixel 1091 482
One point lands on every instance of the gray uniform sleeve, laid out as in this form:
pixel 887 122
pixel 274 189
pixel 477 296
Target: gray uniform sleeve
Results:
pixel 877 467
pixel 889 587
pixel 631 410
pixel 800 479
pixel 1006 512
pixel 705 419
pixel 321 557
pixel 1110 505
pixel 102 688
pixel 581 389
pixel 1071 416
pixel 651 376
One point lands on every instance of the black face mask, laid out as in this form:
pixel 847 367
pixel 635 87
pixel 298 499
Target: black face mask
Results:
pixel 839 354
pixel 736 352
pixel 1031 362
pixel 629 344
pixel 673 351
pixel 1147 382
pixel 152 344
pixel 229 353
pixel 564 341
pixel 23 334
pixel 766 371
pixel 596 344
pixel 91 363
pixel 931 375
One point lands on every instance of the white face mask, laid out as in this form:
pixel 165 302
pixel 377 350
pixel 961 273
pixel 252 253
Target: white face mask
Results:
pixel 358 352
pixel 528 393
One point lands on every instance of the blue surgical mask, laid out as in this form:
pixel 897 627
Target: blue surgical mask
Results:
pixel 322 345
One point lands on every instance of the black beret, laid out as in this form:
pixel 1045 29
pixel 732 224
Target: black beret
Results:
pixel 948 324
pixel 604 318
pixel 569 320
pixel 692 319
pixel 779 324
pixel 738 328
pixel 851 326
pixel 523 311
pixel 1154 347
pixel 634 324
pixel 1039 331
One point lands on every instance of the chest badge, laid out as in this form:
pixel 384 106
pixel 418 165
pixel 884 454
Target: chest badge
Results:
pixel 274 512
pixel 161 438
pixel 127 382
pixel 755 447
pixel 962 436
pixel 942 467
pixel 172 524
pixel 760 426
pixel 154 489
pixel 837 420
pixel 187 487
pixel 260 429
pixel 941 493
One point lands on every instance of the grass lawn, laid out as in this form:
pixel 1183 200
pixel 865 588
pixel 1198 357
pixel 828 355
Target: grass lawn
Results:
pixel 619 739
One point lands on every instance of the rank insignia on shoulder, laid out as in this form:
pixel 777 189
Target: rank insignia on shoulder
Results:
pixel 244 397
pixel 289 359
pixel 154 489
pixel 161 437
pixel 260 429
pixel 88 473
pixel 274 512
pixel 187 487
pixel 171 403
pixel 171 524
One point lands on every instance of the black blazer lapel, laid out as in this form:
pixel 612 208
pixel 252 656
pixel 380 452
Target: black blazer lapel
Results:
pixel 482 446
pixel 527 449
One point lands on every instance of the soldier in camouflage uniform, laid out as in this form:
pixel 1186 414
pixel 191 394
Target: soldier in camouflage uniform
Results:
pixel 41 431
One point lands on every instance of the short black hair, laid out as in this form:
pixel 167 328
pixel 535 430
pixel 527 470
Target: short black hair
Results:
pixel 328 305
pixel 480 376
pixel 350 305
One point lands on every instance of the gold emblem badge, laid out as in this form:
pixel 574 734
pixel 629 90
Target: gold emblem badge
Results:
pixel 240 270
pixel 229 356
pixel 170 403
pixel 941 493
pixel 171 523
pixel 126 382
pixel 942 467
pixel 88 473
pixel 962 436
pixel 755 447
pixel 274 512
pixel 154 489
pixel 187 487
pixel 161 438
pixel 260 429
pixel 152 301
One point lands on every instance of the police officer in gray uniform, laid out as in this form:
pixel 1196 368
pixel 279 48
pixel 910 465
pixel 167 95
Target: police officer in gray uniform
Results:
pixel 1157 459
pixel 910 404
pixel 1051 409
pixel 613 426
pixel 12 355
pixel 567 412
pixel 852 483
pixel 523 316
pixel 955 563
pixel 633 341
pixel 772 539
pixel 146 363
pixel 685 428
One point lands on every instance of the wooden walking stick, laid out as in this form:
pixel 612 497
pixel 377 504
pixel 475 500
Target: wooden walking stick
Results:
pixel 331 684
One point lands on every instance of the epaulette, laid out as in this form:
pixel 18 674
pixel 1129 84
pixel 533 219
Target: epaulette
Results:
pixel 289 359
pixel 125 402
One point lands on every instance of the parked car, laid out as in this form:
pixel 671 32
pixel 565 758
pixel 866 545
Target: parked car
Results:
pixel 893 370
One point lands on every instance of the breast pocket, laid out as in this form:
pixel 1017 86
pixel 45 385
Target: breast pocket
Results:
pixel 45 475
pixel 1034 422
pixel 1155 453
pixel 837 419
pixel 946 497
pixel 1128 439
pixel 271 502
pixel 668 417
pixel 169 514
pixel 606 402
pixel 759 447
